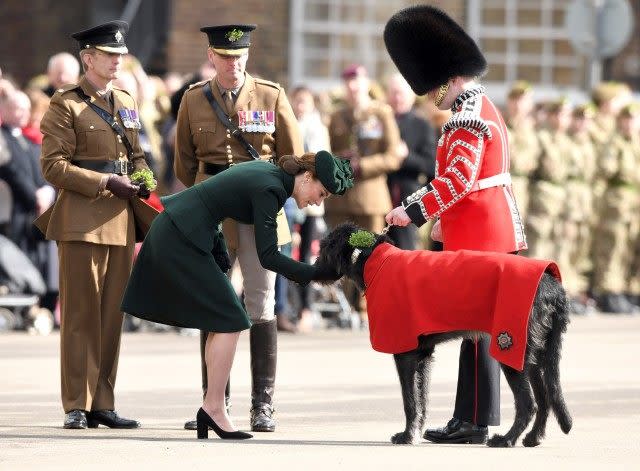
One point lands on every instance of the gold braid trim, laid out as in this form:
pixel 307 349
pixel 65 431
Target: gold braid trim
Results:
pixel 442 92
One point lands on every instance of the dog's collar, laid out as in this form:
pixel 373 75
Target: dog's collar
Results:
pixel 354 256
pixel 356 252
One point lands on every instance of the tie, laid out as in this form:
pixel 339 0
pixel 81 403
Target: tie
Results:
pixel 228 101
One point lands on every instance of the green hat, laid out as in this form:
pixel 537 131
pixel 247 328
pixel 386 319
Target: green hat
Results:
pixel 334 173
pixel 229 40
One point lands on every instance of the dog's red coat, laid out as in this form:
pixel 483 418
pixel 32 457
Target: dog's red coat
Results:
pixel 415 292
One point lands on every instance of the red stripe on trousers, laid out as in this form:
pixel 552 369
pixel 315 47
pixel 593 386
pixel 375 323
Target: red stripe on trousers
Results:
pixel 475 402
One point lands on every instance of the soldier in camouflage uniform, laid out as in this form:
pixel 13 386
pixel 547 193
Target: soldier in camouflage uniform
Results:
pixel 577 216
pixel 616 241
pixel 609 98
pixel 547 188
pixel 524 147
pixel 631 115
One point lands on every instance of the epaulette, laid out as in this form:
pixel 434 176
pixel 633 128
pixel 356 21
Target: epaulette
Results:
pixel 268 83
pixel 467 120
pixel 68 87
pixel 197 84
pixel 122 90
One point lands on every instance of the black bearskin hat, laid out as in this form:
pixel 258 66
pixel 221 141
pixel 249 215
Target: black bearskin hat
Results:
pixel 429 48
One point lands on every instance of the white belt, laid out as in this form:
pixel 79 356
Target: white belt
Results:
pixel 501 179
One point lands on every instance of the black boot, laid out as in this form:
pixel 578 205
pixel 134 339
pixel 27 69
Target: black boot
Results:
pixel 264 352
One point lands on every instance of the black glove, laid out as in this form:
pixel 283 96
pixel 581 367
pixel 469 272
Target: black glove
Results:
pixel 144 192
pixel 122 187
pixel 325 273
pixel 220 254
pixel 222 260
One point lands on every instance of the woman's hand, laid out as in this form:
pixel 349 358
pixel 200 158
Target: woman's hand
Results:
pixel 325 273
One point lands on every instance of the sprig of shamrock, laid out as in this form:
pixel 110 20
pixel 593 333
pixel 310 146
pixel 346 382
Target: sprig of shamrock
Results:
pixel 144 176
pixel 362 239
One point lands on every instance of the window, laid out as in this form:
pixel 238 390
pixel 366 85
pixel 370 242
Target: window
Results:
pixel 328 35
pixel 526 39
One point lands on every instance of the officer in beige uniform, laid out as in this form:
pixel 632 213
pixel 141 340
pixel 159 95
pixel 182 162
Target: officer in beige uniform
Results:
pixel 524 147
pixel 263 117
pixel 94 221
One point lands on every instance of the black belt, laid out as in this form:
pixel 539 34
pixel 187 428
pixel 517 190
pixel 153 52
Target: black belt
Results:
pixel 119 167
pixel 213 169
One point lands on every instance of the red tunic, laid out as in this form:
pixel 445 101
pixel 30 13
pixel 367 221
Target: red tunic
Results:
pixel 415 292
pixel 472 148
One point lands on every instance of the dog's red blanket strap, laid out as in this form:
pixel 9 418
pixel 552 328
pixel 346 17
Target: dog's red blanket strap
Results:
pixel 415 292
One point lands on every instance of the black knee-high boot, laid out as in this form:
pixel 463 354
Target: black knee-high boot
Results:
pixel 264 352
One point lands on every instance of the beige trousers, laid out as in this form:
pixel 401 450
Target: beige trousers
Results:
pixel 258 283
pixel 92 281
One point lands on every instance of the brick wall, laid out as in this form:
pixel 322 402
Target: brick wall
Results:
pixel 32 31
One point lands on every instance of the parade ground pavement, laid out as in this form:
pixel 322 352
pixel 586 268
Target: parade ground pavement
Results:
pixel 338 403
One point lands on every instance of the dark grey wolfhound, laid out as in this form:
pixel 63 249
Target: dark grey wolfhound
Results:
pixel 536 389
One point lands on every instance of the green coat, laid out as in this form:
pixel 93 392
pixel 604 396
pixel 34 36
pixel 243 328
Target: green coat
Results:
pixel 175 279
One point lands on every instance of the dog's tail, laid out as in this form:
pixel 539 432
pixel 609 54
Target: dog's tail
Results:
pixel 560 320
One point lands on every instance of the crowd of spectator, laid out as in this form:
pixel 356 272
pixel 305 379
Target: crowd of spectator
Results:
pixel 575 172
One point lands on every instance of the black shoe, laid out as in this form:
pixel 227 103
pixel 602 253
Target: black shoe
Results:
pixel 262 418
pixel 75 419
pixel 204 422
pixel 612 303
pixel 458 431
pixel 193 424
pixel 110 419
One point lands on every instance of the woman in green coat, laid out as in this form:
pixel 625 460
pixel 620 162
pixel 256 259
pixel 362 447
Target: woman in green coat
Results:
pixel 179 276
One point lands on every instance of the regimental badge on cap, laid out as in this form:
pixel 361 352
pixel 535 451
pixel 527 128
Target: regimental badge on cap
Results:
pixel 234 35
pixel 119 36
pixel 504 341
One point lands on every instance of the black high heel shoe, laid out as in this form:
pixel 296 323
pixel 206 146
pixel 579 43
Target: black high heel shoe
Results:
pixel 204 421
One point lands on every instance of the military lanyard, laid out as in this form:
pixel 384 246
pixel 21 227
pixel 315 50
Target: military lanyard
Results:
pixel 222 116
pixel 110 120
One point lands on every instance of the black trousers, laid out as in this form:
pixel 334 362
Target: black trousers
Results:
pixel 478 394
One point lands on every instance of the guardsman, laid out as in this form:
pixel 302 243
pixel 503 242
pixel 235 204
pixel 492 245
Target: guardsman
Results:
pixel 230 119
pixel 471 192
pixel 547 187
pixel 90 146
pixel 615 242
pixel 524 147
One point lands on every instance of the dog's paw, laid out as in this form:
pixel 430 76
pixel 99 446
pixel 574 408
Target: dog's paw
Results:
pixel 403 438
pixel 498 441
pixel 530 440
